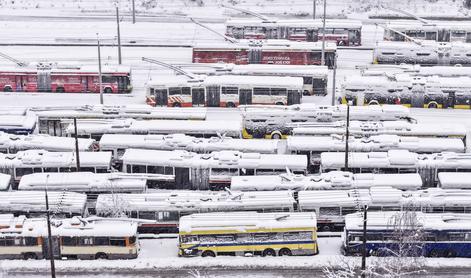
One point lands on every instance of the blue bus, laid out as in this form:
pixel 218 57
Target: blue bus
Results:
pixel 432 235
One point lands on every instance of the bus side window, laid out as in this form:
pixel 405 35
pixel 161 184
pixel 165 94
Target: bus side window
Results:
pixel 117 242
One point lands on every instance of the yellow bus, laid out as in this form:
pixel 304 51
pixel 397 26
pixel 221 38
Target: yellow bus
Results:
pixel 248 233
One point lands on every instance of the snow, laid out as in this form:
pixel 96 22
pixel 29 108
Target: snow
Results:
pixel 452 180
pixel 13 143
pixel 5 180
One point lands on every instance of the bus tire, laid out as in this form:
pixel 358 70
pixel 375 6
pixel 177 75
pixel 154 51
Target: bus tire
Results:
pixel 276 135
pixel 208 253
pixel 285 252
pixel 341 43
pixel 373 102
pixel 306 93
pixel 326 228
pixel 268 253
pixel 434 254
pixel 7 89
pixel 101 256
pixel 108 90
pixel 432 105
pixel 230 105
pixel 177 104
pixel 30 256
pixel 450 253
pixel 279 103
pixel 60 90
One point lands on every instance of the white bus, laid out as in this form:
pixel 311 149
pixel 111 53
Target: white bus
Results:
pixel 161 210
pixel 313 146
pixel 75 238
pixel 454 180
pixel 277 122
pixel 332 206
pixel 33 203
pixel 96 129
pixel 38 161
pixel 10 143
pixel 425 53
pixel 118 143
pixel 333 180
pixel 224 91
pixel 415 70
pixel 399 161
pixel 314 77
pixel 440 31
pixel 55 120
pixel 17 124
pixel 208 171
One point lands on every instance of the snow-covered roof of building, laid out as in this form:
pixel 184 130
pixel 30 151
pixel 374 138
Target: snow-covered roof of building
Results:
pixel 397 159
pixel 246 221
pixel 195 201
pixel 221 159
pixel 42 141
pixel 83 182
pixel 326 181
pixel 34 201
pixel 374 143
pixel 71 227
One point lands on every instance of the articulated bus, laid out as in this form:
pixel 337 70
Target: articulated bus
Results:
pixel 75 238
pixel 224 91
pixel 340 31
pixel 429 235
pixel 440 31
pixel 244 233
pixel 274 52
pixel 314 77
pixel 409 90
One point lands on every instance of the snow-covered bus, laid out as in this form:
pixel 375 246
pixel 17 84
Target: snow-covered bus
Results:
pixel 409 90
pixel 343 32
pixel 96 129
pixel 333 180
pixel 399 161
pixel 75 238
pixel 208 171
pixel 273 122
pixel 118 143
pixel 224 91
pixel 159 211
pixel 425 53
pixel 13 143
pixel 440 31
pixel 454 180
pixel 314 77
pixel 55 120
pixel 39 161
pixel 427 234
pixel 274 52
pixel 17 124
pixel 248 233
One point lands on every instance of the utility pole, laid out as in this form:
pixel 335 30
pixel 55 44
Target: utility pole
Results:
pixel 323 35
pixel 99 70
pixel 334 80
pixel 119 35
pixel 133 12
pixel 314 9
pixel 347 134
pixel 77 156
pixel 363 253
pixel 49 234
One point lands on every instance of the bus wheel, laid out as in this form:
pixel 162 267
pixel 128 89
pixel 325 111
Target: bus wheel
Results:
pixel 326 228
pixel 279 103
pixel 60 90
pixel 285 252
pixel 208 253
pixel 373 102
pixel 432 105
pixel 101 256
pixel 450 254
pixel 7 89
pixel 230 104
pixel 30 256
pixel 276 135
pixel 434 254
pixel 108 90
pixel 268 253
pixel 177 104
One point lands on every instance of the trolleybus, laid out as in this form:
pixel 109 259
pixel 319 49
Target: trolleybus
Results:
pixel 13 143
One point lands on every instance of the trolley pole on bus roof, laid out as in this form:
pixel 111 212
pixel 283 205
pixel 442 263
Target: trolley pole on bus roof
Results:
pixel 363 253
pixel 99 70
pixel 119 35
pixel 77 156
pixel 334 75
pixel 313 9
pixel 323 35
pixel 49 234
pixel 133 12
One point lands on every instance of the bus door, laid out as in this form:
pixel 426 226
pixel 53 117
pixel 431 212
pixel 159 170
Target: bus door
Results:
pixel 255 56
pixel 20 83
pixel 44 81
pixel 245 96
pixel 213 96
pixel 84 84
pixel 197 96
pixel 200 178
pixel 451 100
pixel 161 97
pixel 417 98
pixel 294 97
pixel 122 86
pixel 55 247
pixel 182 178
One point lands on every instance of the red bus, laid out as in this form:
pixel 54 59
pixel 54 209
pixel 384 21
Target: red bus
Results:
pixel 80 79
pixel 281 52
